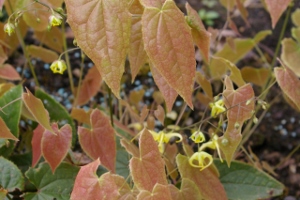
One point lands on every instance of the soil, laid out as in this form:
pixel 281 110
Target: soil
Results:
pixel 278 133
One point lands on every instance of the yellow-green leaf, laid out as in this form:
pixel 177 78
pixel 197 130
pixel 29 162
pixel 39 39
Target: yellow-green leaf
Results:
pixel 169 45
pixel 296 17
pixel 45 55
pixel 256 76
pixel 102 30
pixel 291 54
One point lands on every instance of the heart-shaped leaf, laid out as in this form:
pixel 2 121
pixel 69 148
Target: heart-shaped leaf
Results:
pixel 160 192
pixel 291 54
pixel 188 190
pixel 81 115
pixel 176 61
pixel 251 182
pixel 51 186
pixel 44 54
pixel 8 72
pixel 11 177
pixel 99 141
pixel 5 132
pixel 289 84
pixel 102 30
pixel 89 186
pixel 36 144
pixel 37 109
pixel 90 86
pixel 207 182
pixel 55 146
pixel 149 168
pixel 256 76
pixel 276 8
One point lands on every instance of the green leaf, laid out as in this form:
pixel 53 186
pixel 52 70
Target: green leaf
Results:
pixel 50 186
pixel 102 31
pixel 10 176
pixel 11 116
pixel 57 112
pixel 242 181
pixel 122 160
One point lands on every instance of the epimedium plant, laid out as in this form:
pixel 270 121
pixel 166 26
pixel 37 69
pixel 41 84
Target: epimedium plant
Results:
pixel 143 162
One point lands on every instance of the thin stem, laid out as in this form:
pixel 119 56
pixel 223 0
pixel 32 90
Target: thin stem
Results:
pixel 110 106
pixel 22 43
pixel 80 78
pixel 63 29
pixel 67 51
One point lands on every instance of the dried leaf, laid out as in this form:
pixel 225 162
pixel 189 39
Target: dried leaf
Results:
pixel 289 84
pixel 149 168
pixel 37 109
pixel 55 146
pixel 8 72
pixel 36 144
pixel 102 30
pixel 99 141
pixel 176 61
pixel 90 86
pixel 276 8
pixel 200 35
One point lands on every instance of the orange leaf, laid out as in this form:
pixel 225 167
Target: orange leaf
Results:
pixel 102 30
pixel 152 3
pixel 36 144
pixel 289 84
pixel 168 93
pixel 99 142
pixel 37 109
pixel 90 86
pixel 5 132
pixel 205 84
pixel 276 8
pixel 55 146
pixel 8 72
pixel 200 35
pixel 160 192
pixel 176 60
pixel 159 113
pixel 149 168
pixel 188 190
pixel 89 186
pixel 207 182
pixel 130 148
pixel 137 55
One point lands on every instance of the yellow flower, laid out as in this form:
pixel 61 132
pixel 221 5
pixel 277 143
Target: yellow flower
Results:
pixel 9 28
pixel 55 19
pixel 58 66
pixel 163 137
pixel 200 160
pixel 213 144
pixel 217 108
pixel 198 137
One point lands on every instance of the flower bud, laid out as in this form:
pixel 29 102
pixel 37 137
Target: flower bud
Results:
pixel 58 66
pixel 9 28
pixel 55 20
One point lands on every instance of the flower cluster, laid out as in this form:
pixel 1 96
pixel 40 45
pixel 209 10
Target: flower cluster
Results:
pixel 163 137
pixel 217 108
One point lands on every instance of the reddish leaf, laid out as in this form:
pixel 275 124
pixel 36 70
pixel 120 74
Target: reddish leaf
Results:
pixel 159 113
pixel 255 76
pixel 207 182
pixel 276 8
pixel 37 109
pixel 55 146
pixel 160 192
pixel 36 144
pixel 89 186
pixel 200 35
pixel 99 142
pixel 5 132
pixel 130 148
pixel 137 55
pixel 188 190
pixel 153 3
pixel 289 84
pixel 90 86
pixel 81 115
pixel 149 168
pixel 239 110
pixel 8 72
pixel 102 30
pixel 243 11
pixel 168 93
pixel 176 60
